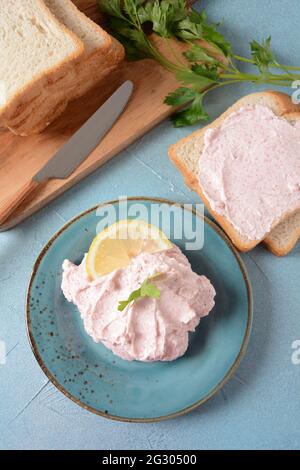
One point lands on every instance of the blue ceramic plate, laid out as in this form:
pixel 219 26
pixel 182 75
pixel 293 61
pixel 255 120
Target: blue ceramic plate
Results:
pixel 95 378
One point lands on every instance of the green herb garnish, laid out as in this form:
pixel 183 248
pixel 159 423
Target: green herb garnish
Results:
pixel 147 289
pixel 205 66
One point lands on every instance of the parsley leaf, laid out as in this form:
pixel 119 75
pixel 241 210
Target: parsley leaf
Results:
pixel 111 8
pixel 163 15
pixel 197 54
pixel 130 8
pixel 210 72
pixel 160 19
pixel 134 41
pixel 188 30
pixel 261 53
pixel 145 12
pixel 264 59
pixel 180 96
pixel 189 77
pixel 211 35
pixel 262 56
pixel 191 115
pixel 147 289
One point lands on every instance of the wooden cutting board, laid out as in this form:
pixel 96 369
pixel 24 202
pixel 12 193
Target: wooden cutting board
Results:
pixel 22 157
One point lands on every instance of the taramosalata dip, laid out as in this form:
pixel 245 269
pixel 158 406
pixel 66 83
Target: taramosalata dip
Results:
pixel 148 329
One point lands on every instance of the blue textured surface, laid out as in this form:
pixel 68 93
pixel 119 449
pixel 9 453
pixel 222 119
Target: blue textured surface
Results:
pixel 260 406
pixel 94 376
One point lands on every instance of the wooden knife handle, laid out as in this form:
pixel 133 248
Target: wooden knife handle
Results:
pixel 14 201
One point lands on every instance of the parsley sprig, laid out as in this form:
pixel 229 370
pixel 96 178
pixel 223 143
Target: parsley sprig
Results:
pixel 207 66
pixel 147 289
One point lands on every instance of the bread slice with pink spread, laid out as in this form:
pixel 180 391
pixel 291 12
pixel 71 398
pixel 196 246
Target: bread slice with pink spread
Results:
pixel 246 168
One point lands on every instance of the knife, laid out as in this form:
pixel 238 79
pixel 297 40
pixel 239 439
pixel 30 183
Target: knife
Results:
pixel 75 151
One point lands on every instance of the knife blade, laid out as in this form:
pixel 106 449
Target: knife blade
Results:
pixel 86 139
pixel 75 151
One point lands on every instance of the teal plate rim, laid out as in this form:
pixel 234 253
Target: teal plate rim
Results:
pixel 195 405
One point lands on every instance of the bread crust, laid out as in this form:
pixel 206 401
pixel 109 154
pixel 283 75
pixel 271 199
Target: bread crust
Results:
pixel 283 106
pixel 25 127
pixel 274 248
pixel 282 249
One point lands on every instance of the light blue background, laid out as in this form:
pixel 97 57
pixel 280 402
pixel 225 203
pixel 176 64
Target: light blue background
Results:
pixel 259 407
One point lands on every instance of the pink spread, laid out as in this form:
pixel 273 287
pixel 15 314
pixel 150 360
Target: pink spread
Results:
pixel 148 329
pixel 250 169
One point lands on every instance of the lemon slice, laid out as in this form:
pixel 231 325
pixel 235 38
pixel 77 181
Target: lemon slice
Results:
pixel 115 246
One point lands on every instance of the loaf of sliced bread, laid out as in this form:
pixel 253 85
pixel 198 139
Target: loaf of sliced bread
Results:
pixel 102 54
pixel 186 155
pixel 35 50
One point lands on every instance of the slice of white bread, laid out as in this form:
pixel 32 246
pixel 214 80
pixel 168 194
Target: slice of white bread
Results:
pixel 187 153
pixel 284 236
pixel 35 49
pixel 101 55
